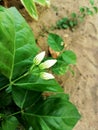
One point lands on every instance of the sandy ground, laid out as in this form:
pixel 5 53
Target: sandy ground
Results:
pixel 83 87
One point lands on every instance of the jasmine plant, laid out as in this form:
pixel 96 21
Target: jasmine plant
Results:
pixel 24 79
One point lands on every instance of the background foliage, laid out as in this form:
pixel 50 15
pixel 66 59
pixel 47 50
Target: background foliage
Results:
pixel 31 7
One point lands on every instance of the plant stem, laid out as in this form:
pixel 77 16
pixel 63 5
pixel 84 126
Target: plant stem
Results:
pixel 32 67
pixel 4 87
pixel 24 75
pixel 15 113
pixel 27 73
pixel 14 81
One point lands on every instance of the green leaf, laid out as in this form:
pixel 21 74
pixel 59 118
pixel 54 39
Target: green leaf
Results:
pixel 26 47
pixel 55 42
pixel 63 23
pixel 95 9
pixel 32 82
pixel 92 2
pixel 38 112
pixel 71 23
pixel 10 123
pixel 69 57
pixel 3 81
pixel 7 36
pixel 65 26
pixel 31 8
pixel 53 113
pixel 17 44
pixel 82 9
pixel 43 2
pixel 89 11
pixel 24 98
pixel 60 67
pixel 5 99
pixel 73 15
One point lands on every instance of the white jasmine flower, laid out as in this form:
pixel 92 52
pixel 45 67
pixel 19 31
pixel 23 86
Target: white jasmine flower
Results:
pixel 47 64
pixel 38 58
pixel 46 76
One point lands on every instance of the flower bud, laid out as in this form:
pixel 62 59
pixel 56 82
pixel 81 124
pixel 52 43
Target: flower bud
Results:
pixel 46 76
pixel 38 58
pixel 47 64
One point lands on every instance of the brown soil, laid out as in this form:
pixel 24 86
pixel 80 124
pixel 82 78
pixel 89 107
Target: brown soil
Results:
pixel 83 87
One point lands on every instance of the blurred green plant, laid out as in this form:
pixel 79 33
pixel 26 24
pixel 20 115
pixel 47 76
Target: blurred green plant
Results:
pixel 31 7
pixel 75 19
pixel 24 81
pixel 91 2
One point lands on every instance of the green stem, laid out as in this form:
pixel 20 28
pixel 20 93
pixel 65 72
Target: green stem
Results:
pixel 4 87
pixel 32 67
pixel 24 75
pixel 13 114
pixel 11 83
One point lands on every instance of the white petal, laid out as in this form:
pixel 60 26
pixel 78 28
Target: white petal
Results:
pixel 38 58
pixel 47 64
pixel 46 76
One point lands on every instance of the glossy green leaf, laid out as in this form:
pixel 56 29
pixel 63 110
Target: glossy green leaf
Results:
pixel 92 2
pixel 60 67
pixel 17 44
pixel 64 61
pixel 10 123
pixel 42 2
pixel 31 8
pixel 3 81
pixel 69 57
pixel 38 112
pixel 26 47
pixel 35 83
pixel 55 42
pixel 5 99
pixel 24 98
pixel 7 42
pixel 53 113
